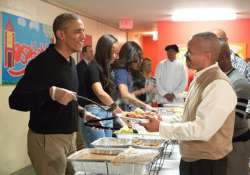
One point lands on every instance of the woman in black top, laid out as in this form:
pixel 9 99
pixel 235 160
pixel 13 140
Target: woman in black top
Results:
pixel 100 87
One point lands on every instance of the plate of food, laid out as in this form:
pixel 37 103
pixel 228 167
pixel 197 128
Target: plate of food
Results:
pixel 136 116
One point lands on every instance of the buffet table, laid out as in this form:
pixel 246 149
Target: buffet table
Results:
pixel 148 161
pixel 130 153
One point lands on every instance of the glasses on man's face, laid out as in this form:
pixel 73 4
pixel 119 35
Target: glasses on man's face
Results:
pixel 189 53
pixel 222 39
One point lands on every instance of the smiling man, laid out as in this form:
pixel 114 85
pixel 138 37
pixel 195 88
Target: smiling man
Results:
pixel 208 119
pixel 47 91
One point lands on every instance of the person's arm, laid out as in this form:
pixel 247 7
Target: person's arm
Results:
pixel 239 64
pixel 242 89
pixel 104 97
pixel 144 90
pixel 121 78
pixel 101 94
pixel 30 90
pixel 210 115
pixel 126 95
pixel 95 81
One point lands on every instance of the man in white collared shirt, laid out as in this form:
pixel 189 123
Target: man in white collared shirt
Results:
pixel 208 121
pixel 171 77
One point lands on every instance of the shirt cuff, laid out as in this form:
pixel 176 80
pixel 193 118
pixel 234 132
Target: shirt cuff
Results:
pixel 163 129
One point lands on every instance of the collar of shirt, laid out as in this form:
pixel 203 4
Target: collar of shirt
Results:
pixel 167 60
pixel 59 57
pixel 86 61
pixel 204 70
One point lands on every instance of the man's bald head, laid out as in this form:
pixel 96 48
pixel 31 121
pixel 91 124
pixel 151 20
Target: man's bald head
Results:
pixel 221 34
pixel 207 42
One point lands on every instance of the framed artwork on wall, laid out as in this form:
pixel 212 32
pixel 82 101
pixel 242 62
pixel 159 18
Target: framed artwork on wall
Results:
pixel 22 40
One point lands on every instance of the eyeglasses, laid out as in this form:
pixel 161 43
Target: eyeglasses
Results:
pixel 222 39
pixel 189 53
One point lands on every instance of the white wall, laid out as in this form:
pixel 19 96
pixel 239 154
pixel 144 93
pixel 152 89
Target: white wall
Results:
pixel 13 124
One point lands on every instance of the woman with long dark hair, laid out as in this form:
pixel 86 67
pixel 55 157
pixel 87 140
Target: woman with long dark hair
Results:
pixel 100 87
pixel 129 54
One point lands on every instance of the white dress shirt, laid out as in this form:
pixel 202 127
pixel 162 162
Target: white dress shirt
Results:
pixel 218 101
pixel 171 77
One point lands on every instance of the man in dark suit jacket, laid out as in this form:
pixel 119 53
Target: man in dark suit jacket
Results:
pixel 88 56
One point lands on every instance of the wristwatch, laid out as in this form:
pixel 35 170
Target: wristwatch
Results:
pixel 113 106
pixel 81 113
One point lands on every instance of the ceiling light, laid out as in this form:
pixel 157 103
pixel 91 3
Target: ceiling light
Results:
pixel 204 14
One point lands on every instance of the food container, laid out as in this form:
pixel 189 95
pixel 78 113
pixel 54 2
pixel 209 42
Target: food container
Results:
pixel 83 162
pixel 106 151
pixel 136 142
pixel 147 143
pixel 112 142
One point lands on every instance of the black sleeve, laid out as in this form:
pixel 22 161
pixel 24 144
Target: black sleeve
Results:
pixel 30 91
pixel 93 73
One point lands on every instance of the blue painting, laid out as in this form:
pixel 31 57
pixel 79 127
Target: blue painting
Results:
pixel 22 39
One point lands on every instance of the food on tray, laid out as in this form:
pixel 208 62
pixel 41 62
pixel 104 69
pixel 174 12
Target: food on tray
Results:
pixel 103 151
pixel 133 155
pixel 148 143
pixel 111 142
pixel 176 110
pixel 139 113
pixel 124 130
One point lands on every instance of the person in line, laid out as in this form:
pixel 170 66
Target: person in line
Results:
pixel 87 57
pixel 171 77
pixel 150 82
pixel 238 159
pixel 138 81
pixel 130 53
pixel 47 90
pixel 101 88
pixel 208 120
pixel 237 62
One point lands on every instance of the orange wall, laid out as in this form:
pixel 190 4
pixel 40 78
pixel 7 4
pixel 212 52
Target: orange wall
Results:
pixel 179 32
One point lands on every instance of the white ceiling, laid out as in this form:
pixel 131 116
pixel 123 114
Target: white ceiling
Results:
pixel 144 13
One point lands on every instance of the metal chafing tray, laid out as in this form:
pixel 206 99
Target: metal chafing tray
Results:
pixel 84 162
pixel 110 142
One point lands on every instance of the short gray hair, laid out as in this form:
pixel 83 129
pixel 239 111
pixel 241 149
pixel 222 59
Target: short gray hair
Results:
pixel 62 20
pixel 209 42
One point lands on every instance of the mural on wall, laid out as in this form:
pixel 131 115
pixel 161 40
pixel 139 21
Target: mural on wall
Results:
pixel 22 40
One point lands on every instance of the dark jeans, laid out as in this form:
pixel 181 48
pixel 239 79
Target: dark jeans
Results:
pixel 204 167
